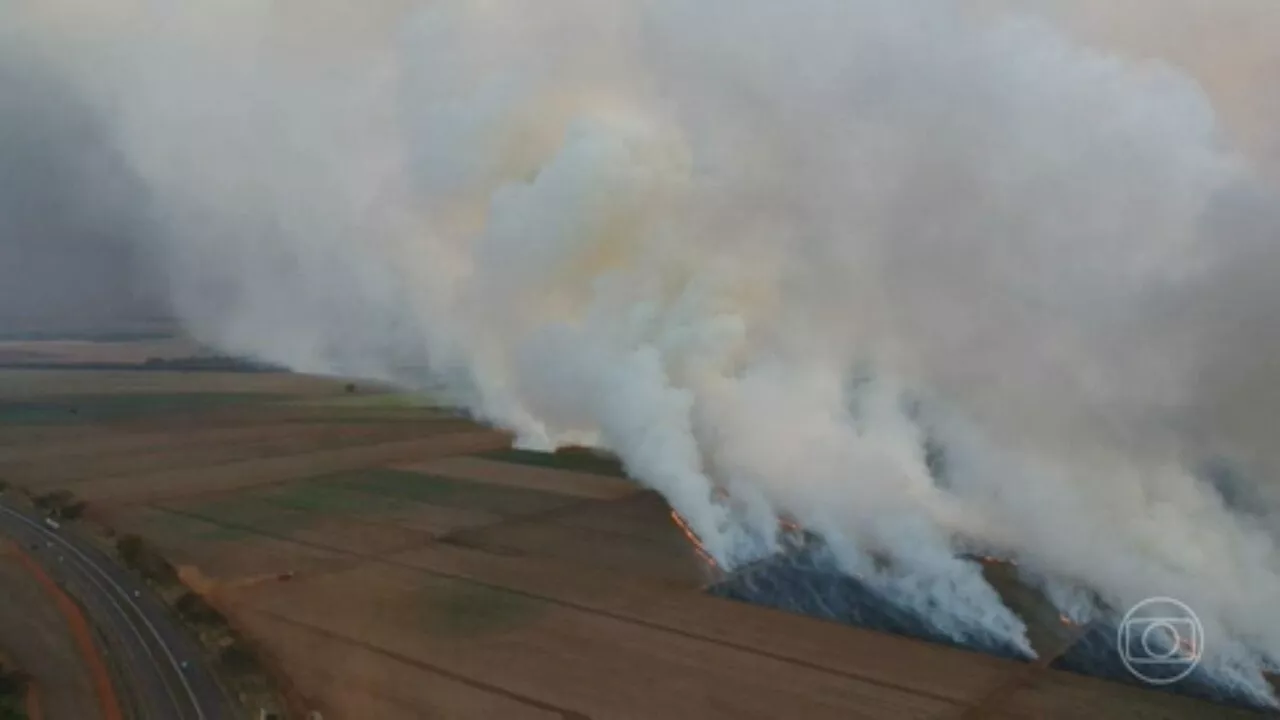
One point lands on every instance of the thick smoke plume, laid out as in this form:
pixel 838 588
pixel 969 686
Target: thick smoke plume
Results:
pixel 65 215
pixel 767 252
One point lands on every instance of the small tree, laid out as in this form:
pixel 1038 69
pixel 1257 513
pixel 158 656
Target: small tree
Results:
pixel 135 553
pixel 239 659
pixel 55 502
pixel 13 683
pixel 196 609
pixel 130 548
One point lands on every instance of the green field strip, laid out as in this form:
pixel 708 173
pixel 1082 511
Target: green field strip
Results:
pixel 160 523
pixel 372 401
pixel 447 608
pixel 573 460
pixel 324 498
pixel 247 511
pixel 90 409
pixel 448 492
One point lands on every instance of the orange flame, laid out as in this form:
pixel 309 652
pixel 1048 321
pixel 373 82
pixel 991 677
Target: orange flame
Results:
pixel 693 539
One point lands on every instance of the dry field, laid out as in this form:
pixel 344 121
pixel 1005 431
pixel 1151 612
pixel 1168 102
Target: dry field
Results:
pixel 432 573
pixel 88 351
pixel 61 384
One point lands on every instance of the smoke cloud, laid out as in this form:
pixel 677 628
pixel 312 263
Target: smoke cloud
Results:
pixel 767 253
pixel 66 263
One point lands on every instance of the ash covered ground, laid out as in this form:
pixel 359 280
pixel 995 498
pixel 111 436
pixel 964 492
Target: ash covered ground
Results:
pixel 806 580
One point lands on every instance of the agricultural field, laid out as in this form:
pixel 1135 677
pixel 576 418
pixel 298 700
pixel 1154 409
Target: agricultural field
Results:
pixel 59 384
pixel 394 560
pixel 93 351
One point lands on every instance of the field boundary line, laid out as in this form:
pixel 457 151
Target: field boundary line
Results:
pixel 600 612
pixel 423 665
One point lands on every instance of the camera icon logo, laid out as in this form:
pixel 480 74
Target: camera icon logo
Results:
pixel 1160 641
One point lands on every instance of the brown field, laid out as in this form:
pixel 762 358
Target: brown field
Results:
pixel 86 351
pixel 127 457
pixel 365 683
pixel 219 556
pixel 21 384
pixel 434 579
pixel 245 474
pixel 575 484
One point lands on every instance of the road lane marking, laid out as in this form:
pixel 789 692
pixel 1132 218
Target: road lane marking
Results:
pixel 89 563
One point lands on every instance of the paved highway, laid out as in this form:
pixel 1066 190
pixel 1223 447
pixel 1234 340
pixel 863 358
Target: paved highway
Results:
pixel 160 662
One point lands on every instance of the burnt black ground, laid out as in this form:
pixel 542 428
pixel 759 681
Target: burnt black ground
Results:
pixel 805 581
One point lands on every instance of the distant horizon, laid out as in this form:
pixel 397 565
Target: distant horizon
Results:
pixel 63 328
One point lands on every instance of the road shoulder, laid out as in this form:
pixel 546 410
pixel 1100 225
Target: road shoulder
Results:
pixel 50 639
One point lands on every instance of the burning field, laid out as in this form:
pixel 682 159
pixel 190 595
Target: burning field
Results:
pixel 923 279
pixel 806 579
pixel 393 567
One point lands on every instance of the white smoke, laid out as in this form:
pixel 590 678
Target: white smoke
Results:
pixel 683 231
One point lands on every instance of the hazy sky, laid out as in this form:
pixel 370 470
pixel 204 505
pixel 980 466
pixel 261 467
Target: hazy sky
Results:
pixel 1231 46
pixel 65 258
pixel 68 211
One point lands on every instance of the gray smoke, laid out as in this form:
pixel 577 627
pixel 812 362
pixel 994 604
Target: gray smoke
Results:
pixel 67 211
pixel 763 251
